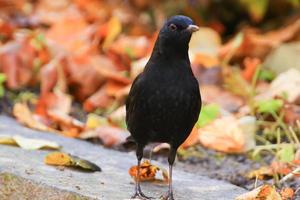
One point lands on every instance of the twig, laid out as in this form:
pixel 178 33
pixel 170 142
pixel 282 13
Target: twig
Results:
pixel 290 175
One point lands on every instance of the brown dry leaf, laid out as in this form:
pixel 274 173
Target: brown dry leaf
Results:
pixel 217 95
pixel 225 134
pixel 100 99
pixel 106 68
pixel 73 34
pixel 94 9
pixel 265 192
pixel 69 126
pixel 64 159
pixel 147 172
pixel 110 136
pixel 256 44
pixel 192 139
pixel 26 117
pixel 134 46
pixel 20 68
pixel 206 60
pixel 291 113
pixel 260 173
pixel 281 168
pixel 287 193
pixel 54 102
pixel 82 77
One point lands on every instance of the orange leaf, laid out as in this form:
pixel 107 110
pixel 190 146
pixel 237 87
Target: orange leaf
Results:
pixel 192 139
pixel 224 135
pixel 250 67
pixel 58 158
pixel 147 171
pixel 26 117
pixel 287 193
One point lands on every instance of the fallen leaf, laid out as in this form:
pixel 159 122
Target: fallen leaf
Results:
pixel 269 106
pixel 261 173
pixel 99 99
pixel 291 113
pixel 73 34
pixel 208 113
pixel 2 80
pixel 256 8
pixel 192 139
pixel 281 167
pixel 251 65
pixel 148 172
pixel 286 153
pixel 281 87
pixel 206 41
pixel 110 136
pixel 64 159
pixel 265 192
pixel 227 134
pixel 94 121
pixel 283 58
pixel 114 28
pixel 287 193
pixel 117 117
pixel 255 44
pixel 212 94
pixel 133 46
pixel 28 143
pixel 26 117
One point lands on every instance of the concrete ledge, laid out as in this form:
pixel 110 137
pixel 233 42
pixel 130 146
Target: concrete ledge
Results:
pixel 23 175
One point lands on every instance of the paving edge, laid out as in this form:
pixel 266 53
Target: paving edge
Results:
pixel 15 187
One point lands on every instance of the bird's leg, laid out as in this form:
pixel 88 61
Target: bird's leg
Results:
pixel 138 192
pixel 171 159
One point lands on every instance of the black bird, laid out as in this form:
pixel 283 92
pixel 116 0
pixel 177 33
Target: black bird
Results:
pixel 164 101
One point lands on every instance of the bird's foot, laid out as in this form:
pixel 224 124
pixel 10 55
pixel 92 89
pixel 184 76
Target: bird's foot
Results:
pixel 140 195
pixel 168 196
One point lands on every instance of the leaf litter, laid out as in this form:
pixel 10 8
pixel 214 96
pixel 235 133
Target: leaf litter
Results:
pixel 87 53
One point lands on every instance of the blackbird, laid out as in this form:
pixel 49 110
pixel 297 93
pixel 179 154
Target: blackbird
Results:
pixel 164 100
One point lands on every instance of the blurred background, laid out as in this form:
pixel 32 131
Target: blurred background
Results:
pixel 67 66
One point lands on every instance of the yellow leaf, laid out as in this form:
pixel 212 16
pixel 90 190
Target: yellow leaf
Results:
pixel 7 140
pixel 26 117
pixel 64 159
pixel 94 121
pixel 58 158
pixel 28 143
pixel 114 28
pixel 33 144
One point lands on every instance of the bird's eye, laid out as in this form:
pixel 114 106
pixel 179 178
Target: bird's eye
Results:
pixel 173 27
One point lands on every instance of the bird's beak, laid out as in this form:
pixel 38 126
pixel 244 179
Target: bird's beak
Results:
pixel 192 28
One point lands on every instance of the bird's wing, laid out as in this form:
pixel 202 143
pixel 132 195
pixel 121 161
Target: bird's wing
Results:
pixel 133 94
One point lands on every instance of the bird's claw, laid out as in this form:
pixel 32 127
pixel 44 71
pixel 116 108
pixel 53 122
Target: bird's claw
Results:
pixel 168 196
pixel 140 195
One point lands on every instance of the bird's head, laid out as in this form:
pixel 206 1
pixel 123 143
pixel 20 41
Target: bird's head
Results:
pixel 175 35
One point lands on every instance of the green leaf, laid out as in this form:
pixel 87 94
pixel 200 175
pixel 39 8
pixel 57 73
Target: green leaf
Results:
pixel 269 106
pixel 256 8
pixel 266 75
pixel 2 80
pixel 208 114
pixel 287 153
